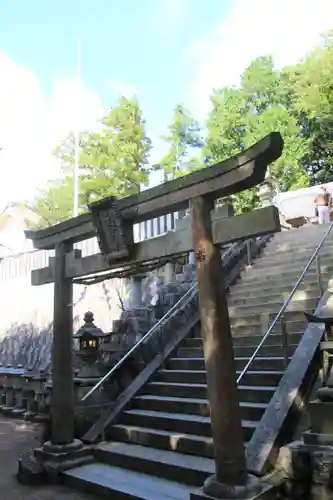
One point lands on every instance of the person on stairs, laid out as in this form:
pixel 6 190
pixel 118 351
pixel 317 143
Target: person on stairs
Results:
pixel 323 202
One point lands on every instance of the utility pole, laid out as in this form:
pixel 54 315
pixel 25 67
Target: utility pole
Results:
pixel 77 140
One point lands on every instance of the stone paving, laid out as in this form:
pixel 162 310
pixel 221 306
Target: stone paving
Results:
pixel 17 437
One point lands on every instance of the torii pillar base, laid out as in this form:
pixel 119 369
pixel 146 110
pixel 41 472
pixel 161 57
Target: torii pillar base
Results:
pixel 57 458
pixel 214 490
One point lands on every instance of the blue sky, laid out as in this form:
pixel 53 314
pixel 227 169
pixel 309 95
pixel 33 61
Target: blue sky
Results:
pixel 133 43
pixel 164 51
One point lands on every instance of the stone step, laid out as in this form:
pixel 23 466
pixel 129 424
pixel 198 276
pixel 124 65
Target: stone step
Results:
pixel 264 318
pixel 259 363
pixel 178 422
pixel 300 258
pixel 257 301
pixel 265 289
pixel 267 377
pixel 272 307
pixel 303 249
pixel 164 440
pixel 188 469
pixel 253 394
pixel 288 246
pixel 256 288
pixel 280 276
pixel 240 351
pixel 257 328
pixel 305 232
pixel 249 411
pixel 114 482
pixel 250 340
pixel 283 266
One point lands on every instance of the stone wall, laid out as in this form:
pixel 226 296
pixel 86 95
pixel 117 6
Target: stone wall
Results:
pixel 27 312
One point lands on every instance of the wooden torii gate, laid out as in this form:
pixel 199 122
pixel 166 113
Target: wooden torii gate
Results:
pixel 112 221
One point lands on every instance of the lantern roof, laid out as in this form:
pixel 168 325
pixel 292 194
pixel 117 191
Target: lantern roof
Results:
pixel 89 330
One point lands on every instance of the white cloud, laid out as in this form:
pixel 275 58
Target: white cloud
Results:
pixel 31 124
pixel 286 29
pixel 169 15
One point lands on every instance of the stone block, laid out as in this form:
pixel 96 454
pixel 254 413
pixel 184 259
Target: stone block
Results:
pixel 306 468
pixel 321 417
pixel 322 466
pixel 30 471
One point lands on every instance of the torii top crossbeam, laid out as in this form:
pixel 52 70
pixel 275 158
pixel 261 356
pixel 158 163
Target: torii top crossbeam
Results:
pixel 236 174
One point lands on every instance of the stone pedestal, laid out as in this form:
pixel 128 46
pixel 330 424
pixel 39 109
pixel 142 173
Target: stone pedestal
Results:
pixel 169 273
pixel 83 385
pixel 10 401
pixel 31 406
pixel 2 398
pixel 18 410
pixel 42 414
pixel 191 259
pixel 136 290
pixel 18 383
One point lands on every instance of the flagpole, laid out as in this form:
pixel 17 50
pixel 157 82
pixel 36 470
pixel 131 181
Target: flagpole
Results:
pixel 77 139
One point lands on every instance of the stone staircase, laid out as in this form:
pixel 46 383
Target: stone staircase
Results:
pixel 162 446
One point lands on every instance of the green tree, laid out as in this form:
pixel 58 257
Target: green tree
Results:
pixel 113 162
pixel 116 158
pixel 184 136
pixel 313 102
pixel 243 115
pixel 55 203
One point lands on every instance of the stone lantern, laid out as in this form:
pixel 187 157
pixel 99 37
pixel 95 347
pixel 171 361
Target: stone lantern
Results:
pixel 89 337
pixel 268 189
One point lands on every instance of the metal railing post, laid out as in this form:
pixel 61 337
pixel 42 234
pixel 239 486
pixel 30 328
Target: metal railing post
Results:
pixel 248 251
pixel 285 341
pixel 318 272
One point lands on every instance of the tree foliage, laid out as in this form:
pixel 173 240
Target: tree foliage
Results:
pixel 113 161
pixel 183 138
pixel 241 116
pixel 297 101
pixel 313 97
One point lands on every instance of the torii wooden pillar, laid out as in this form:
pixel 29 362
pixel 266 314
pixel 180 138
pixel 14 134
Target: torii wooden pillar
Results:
pixel 231 479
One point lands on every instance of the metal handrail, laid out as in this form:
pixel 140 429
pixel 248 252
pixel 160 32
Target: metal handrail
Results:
pixel 148 334
pixel 285 304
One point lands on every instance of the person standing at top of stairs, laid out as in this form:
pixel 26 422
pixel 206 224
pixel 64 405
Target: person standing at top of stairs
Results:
pixel 323 202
